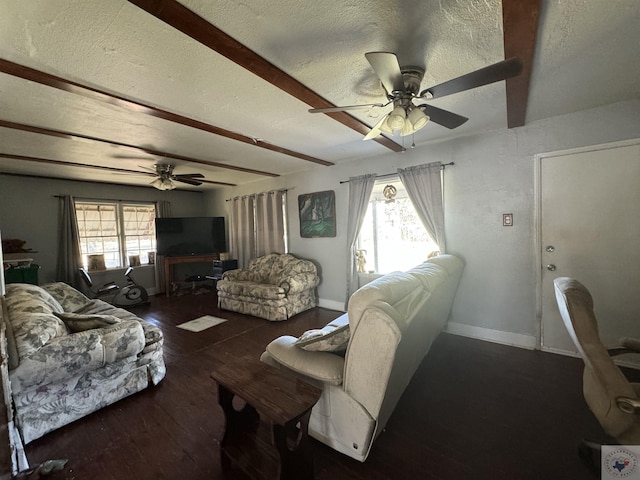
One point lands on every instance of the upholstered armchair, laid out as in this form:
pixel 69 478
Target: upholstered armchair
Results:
pixel 274 287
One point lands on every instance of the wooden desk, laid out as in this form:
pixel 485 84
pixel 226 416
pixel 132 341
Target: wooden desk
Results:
pixel 170 261
pixel 283 402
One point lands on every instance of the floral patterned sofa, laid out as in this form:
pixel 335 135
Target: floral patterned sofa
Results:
pixel 275 286
pixel 70 356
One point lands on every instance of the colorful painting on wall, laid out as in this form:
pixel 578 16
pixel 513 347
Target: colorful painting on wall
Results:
pixel 317 214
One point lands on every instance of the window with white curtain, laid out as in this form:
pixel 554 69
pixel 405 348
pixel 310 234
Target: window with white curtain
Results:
pixel 392 236
pixel 116 230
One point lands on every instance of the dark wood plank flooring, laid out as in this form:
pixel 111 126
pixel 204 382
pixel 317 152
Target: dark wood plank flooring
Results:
pixel 474 410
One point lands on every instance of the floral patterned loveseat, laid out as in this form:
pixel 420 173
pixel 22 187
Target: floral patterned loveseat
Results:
pixel 70 356
pixel 275 286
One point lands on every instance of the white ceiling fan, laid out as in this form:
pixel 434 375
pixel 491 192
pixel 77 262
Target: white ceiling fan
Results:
pixel 402 87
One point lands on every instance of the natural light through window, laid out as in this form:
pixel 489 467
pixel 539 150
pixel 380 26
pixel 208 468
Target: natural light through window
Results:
pixel 117 231
pixel 392 235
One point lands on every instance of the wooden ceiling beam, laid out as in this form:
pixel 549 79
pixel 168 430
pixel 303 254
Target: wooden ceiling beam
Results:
pixel 520 27
pixel 49 161
pixel 43 78
pixel 76 136
pixel 184 20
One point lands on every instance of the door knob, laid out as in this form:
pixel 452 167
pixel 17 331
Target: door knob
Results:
pixel 551 267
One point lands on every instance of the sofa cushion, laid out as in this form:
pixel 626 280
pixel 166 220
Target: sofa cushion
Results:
pixel 73 354
pixel 331 338
pixel 252 289
pixel 69 298
pixel 152 334
pixel 30 298
pixel 79 322
pixel 30 310
pixel 323 366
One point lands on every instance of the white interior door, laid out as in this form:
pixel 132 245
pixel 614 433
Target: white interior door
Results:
pixel 590 230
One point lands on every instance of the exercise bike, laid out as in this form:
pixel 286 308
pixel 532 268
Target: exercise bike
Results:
pixel 132 293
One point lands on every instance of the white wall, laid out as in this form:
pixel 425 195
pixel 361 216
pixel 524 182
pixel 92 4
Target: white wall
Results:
pixel 493 174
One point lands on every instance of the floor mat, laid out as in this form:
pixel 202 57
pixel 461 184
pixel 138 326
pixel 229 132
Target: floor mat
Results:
pixel 202 323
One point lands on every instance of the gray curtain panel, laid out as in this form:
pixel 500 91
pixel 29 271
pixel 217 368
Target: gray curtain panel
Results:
pixel 359 195
pixel 163 210
pixel 424 187
pixel 242 229
pixel 257 225
pixel 270 223
pixel 69 254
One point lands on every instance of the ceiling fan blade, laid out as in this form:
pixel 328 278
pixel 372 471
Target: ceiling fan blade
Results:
pixel 443 117
pixel 132 172
pixel 154 170
pixel 493 73
pixel 133 157
pixel 346 107
pixel 188 175
pixel 188 181
pixel 386 66
pixel 375 131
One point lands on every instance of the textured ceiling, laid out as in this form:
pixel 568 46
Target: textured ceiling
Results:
pixel 586 56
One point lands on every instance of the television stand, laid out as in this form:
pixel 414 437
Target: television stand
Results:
pixel 169 262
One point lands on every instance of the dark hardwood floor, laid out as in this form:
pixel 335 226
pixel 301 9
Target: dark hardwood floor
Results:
pixel 474 410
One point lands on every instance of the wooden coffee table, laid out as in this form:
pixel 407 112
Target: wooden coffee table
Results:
pixel 268 437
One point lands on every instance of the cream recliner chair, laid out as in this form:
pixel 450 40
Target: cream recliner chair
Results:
pixel 614 401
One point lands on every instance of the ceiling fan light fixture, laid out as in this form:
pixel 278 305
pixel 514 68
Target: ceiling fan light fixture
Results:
pixel 418 119
pixel 407 129
pixel 163 184
pixel 384 127
pixel 396 119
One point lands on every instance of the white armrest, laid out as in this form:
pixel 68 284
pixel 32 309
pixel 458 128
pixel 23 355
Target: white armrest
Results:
pixel 325 367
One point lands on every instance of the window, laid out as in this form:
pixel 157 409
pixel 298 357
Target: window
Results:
pixel 392 234
pixel 117 231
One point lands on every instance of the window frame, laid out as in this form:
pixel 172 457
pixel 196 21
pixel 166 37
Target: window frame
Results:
pixel 375 201
pixel 121 235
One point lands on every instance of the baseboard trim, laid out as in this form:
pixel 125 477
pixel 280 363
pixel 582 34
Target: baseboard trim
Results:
pixel 331 304
pixel 618 361
pixel 496 336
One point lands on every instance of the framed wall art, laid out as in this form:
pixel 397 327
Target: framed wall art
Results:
pixel 317 214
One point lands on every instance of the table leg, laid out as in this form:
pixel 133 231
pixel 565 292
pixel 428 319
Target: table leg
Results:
pixel 294 447
pixel 236 421
pixel 167 277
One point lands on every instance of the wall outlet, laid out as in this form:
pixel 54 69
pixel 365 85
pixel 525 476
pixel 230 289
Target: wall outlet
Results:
pixel 507 219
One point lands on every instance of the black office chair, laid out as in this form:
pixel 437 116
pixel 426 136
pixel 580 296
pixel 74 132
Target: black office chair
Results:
pixel 106 289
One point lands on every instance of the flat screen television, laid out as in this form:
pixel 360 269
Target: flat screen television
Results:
pixel 178 237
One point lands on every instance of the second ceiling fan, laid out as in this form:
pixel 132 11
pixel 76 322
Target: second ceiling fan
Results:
pixel 166 177
pixel 402 88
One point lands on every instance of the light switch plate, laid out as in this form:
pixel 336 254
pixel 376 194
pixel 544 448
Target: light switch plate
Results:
pixel 507 219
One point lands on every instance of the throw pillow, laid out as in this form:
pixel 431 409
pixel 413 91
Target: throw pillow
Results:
pixel 327 339
pixel 87 307
pixel 77 322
